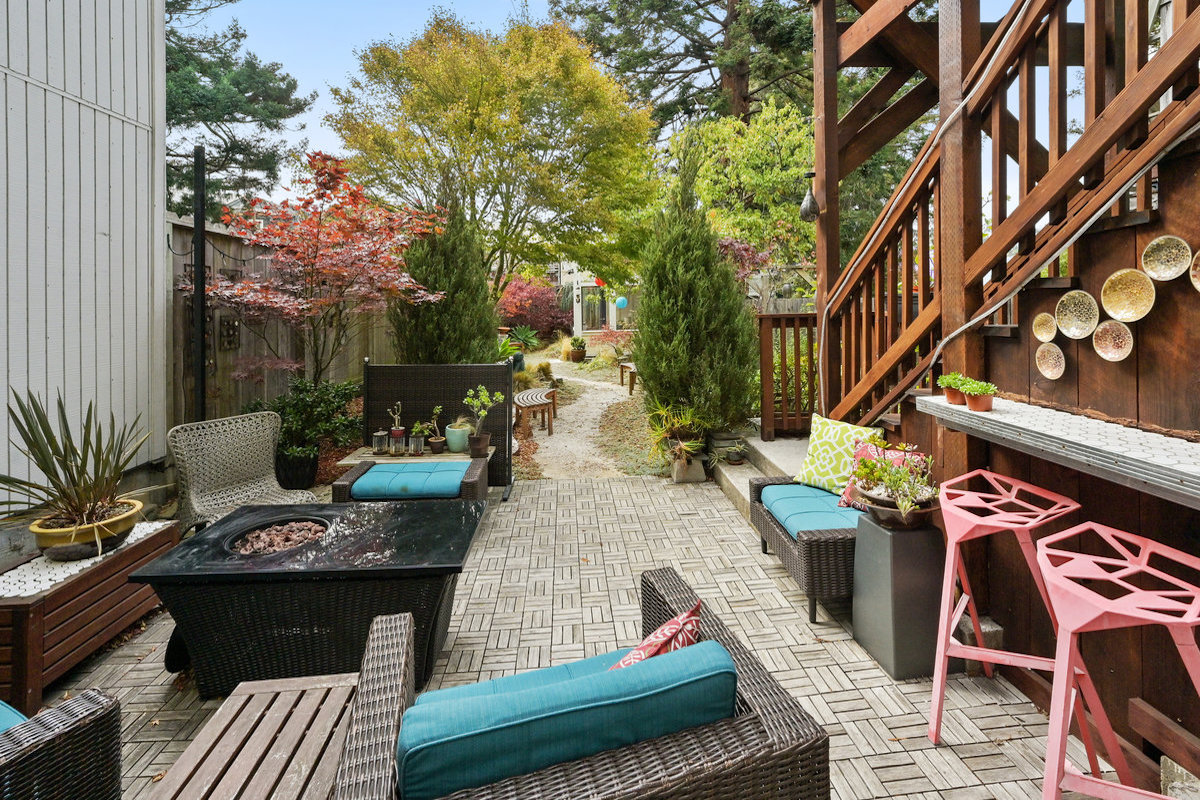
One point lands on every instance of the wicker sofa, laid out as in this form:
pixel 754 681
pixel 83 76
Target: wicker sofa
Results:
pixel 72 750
pixel 771 748
pixel 821 561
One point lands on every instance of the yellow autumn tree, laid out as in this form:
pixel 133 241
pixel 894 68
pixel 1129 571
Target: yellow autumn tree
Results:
pixel 544 151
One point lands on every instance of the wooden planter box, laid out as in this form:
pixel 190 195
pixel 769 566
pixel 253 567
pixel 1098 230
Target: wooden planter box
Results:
pixel 45 634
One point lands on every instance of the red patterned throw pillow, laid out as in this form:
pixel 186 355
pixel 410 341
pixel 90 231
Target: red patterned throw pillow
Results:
pixel 867 450
pixel 672 635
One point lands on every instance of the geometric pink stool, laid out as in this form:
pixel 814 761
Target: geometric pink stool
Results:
pixel 1127 560
pixel 979 504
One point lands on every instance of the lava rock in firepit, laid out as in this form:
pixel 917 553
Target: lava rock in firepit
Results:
pixel 283 536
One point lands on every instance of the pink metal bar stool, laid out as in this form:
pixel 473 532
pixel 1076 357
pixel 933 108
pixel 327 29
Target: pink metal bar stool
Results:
pixel 1112 598
pixel 1000 504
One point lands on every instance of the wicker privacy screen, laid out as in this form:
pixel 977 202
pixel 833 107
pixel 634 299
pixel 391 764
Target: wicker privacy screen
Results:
pixel 420 387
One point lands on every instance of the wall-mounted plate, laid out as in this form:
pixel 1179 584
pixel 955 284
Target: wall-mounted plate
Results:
pixel 1113 340
pixel 1044 327
pixel 1128 295
pixel 1050 361
pixel 1077 314
pixel 1166 258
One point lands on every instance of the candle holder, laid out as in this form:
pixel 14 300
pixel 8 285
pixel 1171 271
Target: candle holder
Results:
pixel 379 443
pixel 396 443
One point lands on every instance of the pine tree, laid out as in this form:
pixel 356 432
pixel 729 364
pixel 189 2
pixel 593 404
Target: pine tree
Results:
pixel 695 341
pixel 461 329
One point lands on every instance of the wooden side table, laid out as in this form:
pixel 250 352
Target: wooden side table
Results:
pixel 57 614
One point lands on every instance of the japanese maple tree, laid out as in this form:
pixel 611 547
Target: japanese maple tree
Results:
pixel 335 255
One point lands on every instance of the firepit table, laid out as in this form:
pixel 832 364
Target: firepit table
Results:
pixel 307 610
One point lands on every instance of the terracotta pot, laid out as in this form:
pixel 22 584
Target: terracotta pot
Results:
pixel 479 444
pixel 577 355
pixel 437 444
pixel 72 544
pixel 979 402
pixel 954 397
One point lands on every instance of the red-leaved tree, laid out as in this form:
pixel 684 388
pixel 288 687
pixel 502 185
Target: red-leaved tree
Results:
pixel 334 254
pixel 533 303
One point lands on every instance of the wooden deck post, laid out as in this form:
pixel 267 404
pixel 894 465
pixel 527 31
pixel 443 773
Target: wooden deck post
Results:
pixel 825 189
pixel 959 223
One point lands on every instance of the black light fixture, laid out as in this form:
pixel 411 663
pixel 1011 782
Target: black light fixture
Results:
pixel 809 210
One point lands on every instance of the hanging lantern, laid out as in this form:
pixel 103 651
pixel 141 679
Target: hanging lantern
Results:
pixel 809 210
pixel 622 302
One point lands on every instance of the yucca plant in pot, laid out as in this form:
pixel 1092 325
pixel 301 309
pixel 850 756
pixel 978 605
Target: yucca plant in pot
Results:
pixel 81 512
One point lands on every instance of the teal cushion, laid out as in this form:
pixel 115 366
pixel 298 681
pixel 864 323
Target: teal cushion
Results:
pixel 532 679
pixel 9 717
pixel 478 739
pixel 407 481
pixel 807 508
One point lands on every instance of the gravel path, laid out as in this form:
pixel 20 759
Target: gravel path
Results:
pixel 572 451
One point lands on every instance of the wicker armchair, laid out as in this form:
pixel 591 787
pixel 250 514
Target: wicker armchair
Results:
pixel 72 750
pixel 822 562
pixel 771 748
pixel 226 463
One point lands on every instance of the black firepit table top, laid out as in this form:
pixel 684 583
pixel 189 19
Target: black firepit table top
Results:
pixel 362 540
pixel 307 610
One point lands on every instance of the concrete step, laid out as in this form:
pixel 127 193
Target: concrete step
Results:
pixel 735 482
pixel 780 457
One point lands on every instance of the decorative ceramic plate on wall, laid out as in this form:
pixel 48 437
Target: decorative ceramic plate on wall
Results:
pixel 1113 340
pixel 1166 258
pixel 1195 276
pixel 1044 327
pixel 1077 314
pixel 1128 295
pixel 1050 361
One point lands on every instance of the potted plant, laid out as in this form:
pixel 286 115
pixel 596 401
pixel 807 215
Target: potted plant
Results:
pixel 416 438
pixel 979 394
pixel 578 348
pixel 950 383
pixel 677 435
pixel 82 513
pixel 437 442
pixel 897 493
pixel 735 454
pixel 480 402
pixel 311 413
pixel 457 433
pixel 524 337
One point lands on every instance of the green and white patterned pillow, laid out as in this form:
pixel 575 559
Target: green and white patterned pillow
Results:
pixel 830 460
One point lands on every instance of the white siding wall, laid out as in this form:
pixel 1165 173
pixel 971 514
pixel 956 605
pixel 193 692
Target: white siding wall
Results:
pixel 86 286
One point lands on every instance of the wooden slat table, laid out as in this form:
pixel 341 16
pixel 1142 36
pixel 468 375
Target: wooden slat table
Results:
pixel 276 739
pixel 365 454
pixel 628 367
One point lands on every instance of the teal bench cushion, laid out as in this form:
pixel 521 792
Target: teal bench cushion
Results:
pixel 10 717
pixel 533 679
pixel 407 481
pixel 807 508
pixel 515 727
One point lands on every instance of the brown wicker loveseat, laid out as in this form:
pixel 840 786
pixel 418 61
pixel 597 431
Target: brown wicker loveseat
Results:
pixel 771 748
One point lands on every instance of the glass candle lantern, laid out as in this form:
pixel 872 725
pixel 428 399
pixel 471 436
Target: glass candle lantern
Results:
pixel 379 443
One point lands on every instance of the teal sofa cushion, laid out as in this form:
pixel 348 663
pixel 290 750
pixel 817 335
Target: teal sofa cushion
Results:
pixel 517 727
pixel 533 679
pixel 807 508
pixel 10 717
pixel 409 481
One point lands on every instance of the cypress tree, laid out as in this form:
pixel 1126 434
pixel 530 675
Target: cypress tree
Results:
pixel 695 340
pixel 461 327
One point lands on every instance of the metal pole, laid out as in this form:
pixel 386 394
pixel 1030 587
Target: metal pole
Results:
pixel 199 282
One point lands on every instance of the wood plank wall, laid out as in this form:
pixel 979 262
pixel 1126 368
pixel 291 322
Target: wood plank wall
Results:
pixel 85 296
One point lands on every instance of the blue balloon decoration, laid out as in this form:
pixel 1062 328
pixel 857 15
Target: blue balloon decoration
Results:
pixel 622 302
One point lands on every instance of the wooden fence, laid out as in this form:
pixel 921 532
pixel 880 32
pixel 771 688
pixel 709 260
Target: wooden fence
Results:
pixel 788 369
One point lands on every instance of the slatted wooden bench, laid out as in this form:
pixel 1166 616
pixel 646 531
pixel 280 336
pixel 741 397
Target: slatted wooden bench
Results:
pixel 628 367
pixel 544 401
pixel 275 739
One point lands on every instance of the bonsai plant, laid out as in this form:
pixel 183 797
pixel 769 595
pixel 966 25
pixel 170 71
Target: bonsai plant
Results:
pixel 678 436
pixel 979 394
pixel 457 433
pixel 578 348
pixel 480 402
pixel 437 442
pixel 951 383
pixel 82 513
pixel 897 493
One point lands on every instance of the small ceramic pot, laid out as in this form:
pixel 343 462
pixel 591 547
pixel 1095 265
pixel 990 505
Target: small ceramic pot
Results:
pixel 954 397
pixel 479 444
pixel 577 355
pixel 456 438
pixel 437 444
pixel 979 402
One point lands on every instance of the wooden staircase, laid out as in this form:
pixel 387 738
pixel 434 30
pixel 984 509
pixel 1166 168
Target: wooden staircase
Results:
pixel 887 316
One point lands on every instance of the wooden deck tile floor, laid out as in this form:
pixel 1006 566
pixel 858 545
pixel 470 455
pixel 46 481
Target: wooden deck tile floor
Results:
pixel 552 577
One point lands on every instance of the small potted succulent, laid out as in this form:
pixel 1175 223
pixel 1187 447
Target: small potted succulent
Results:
pixel 457 433
pixel 979 394
pixel 678 436
pixel 437 442
pixel 81 510
pixel 578 348
pixel 416 438
pixel 950 383
pixel 480 401
pixel 897 493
